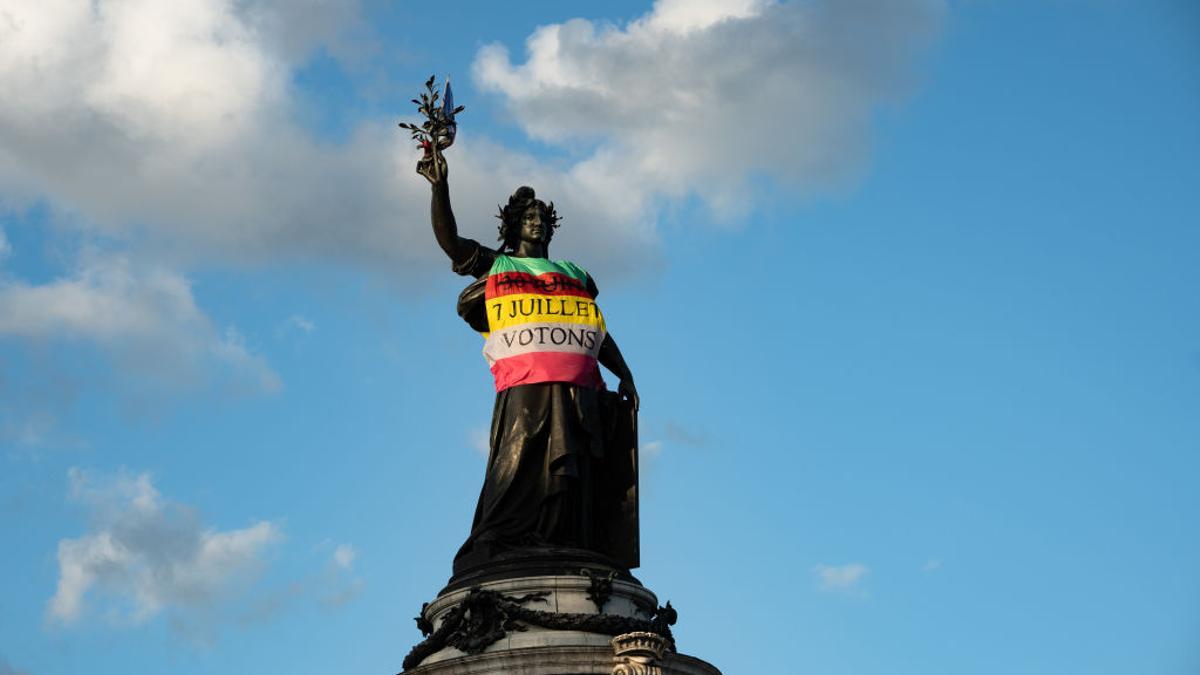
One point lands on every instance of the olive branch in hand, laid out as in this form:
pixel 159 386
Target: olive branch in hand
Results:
pixel 439 128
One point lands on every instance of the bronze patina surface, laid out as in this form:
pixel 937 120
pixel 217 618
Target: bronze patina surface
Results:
pixel 560 491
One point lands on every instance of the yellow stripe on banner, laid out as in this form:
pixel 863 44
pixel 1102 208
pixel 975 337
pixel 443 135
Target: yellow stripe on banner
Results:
pixel 522 308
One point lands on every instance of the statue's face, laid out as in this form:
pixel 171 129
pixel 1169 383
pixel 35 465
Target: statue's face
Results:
pixel 533 228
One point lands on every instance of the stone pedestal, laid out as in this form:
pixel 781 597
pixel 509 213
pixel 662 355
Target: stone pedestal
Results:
pixel 550 625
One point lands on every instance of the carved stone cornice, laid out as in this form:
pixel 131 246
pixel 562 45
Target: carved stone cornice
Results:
pixel 483 617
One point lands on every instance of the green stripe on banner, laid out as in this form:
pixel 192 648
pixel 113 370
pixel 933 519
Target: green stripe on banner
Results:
pixel 536 266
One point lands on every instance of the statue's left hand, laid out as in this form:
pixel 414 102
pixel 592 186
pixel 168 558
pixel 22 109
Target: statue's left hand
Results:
pixel 626 389
pixel 433 166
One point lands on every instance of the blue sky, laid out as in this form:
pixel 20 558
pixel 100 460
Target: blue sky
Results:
pixel 909 289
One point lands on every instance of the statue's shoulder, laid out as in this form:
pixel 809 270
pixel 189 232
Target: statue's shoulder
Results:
pixel 571 269
pixel 474 259
pixel 569 264
pixel 504 263
pixel 575 271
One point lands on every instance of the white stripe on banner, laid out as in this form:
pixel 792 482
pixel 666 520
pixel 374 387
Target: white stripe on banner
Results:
pixel 570 338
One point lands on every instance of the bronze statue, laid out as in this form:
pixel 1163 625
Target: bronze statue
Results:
pixel 561 484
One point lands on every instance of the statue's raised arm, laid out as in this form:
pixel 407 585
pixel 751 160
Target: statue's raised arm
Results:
pixel 434 135
pixel 460 250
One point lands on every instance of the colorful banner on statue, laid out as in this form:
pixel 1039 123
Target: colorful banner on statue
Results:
pixel 543 323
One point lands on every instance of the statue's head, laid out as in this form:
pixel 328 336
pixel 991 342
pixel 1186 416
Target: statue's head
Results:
pixel 523 206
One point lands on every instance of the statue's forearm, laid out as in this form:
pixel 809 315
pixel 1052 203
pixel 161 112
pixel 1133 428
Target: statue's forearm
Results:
pixel 610 357
pixel 445 228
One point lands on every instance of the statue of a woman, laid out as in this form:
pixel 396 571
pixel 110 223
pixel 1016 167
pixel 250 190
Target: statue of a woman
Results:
pixel 558 485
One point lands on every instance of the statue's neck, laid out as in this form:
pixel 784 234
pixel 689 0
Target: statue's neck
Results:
pixel 531 249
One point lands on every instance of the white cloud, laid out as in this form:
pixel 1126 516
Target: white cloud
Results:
pixel 932 565
pixel 344 556
pixel 651 449
pixel 841 578
pixel 5 247
pixel 684 16
pixel 696 97
pixel 174 130
pixel 177 126
pixel 293 28
pixel 145 555
pixel 146 318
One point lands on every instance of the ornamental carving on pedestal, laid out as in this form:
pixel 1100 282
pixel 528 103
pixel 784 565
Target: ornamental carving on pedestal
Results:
pixel 638 653
pixel 600 588
pixel 483 617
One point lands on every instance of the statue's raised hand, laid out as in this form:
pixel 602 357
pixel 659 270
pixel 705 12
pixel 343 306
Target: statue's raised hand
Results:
pixel 433 166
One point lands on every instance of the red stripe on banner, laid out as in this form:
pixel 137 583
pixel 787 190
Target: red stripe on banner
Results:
pixel 550 283
pixel 536 367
